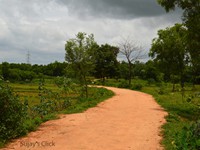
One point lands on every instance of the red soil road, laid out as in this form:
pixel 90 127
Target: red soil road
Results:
pixel 129 120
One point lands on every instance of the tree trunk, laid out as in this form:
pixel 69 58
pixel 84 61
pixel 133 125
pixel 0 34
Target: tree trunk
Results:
pixel 182 80
pixel 130 74
pixel 85 86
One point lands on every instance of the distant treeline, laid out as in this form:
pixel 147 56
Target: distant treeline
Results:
pixel 27 72
pixel 118 70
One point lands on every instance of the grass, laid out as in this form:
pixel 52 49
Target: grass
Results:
pixel 181 130
pixel 30 91
pixel 96 96
pixel 74 102
pixel 183 111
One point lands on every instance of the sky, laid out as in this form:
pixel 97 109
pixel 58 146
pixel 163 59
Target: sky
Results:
pixel 42 27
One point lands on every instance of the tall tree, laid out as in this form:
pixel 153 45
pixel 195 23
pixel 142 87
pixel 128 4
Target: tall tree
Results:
pixel 169 51
pixel 191 19
pixel 133 52
pixel 79 56
pixel 106 61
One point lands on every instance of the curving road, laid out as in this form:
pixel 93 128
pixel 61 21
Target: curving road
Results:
pixel 129 120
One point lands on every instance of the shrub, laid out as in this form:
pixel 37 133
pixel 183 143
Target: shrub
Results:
pixel 151 81
pixel 137 86
pixel 12 114
pixel 161 91
pixel 123 84
pixel 189 138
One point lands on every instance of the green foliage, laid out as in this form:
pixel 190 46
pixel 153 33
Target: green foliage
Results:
pixel 55 69
pixel 106 64
pixel 137 86
pixel 123 70
pixel 67 85
pixel 180 131
pixel 189 138
pixel 161 91
pixel 151 72
pixel 80 56
pixel 26 72
pixel 18 116
pixel 19 75
pixel 96 95
pixel 191 19
pixel 151 81
pixel 169 51
pixel 5 70
pixel 124 84
pixel 12 114
pixel 49 101
pixel 181 135
pixel 32 124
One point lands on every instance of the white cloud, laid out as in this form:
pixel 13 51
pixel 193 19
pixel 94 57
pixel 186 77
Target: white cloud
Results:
pixel 42 27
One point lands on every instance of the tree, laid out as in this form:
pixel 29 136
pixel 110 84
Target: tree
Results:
pixel 5 70
pixel 169 51
pixel 106 63
pixel 79 55
pixel 191 19
pixel 151 72
pixel 132 52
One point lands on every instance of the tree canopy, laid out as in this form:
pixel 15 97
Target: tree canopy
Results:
pixel 106 64
pixel 169 50
pixel 191 19
pixel 79 55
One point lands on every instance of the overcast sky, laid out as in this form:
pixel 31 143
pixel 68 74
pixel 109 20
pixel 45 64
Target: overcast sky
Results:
pixel 42 27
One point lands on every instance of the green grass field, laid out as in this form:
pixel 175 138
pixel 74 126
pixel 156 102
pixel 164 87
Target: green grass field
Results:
pixel 30 91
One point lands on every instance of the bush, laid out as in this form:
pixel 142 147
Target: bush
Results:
pixel 161 91
pixel 189 138
pixel 12 114
pixel 137 86
pixel 151 81
pixel 123 84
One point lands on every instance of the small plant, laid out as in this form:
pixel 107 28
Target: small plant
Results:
pixel 50 101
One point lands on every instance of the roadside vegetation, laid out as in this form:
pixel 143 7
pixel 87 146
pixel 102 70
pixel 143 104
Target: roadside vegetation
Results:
pixel 25 106
pixel 182 130
pixel 31 94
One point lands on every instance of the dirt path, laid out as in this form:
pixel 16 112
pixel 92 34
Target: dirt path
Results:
pixel 128 121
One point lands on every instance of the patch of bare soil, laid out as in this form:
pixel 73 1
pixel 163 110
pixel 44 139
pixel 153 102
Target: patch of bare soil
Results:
pixel 129 120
